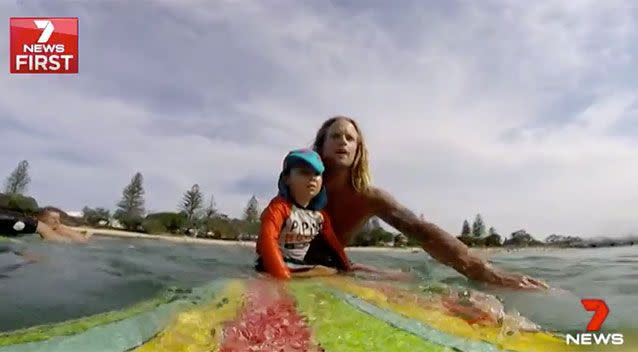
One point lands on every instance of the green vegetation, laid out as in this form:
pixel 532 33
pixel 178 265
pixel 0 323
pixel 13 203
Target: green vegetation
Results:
pixel 478 228
pixel 96 217
pixel 165 222
pixel 373 234
pixel 375 237
pixel 251 213
pixel 466 228
pixel 493 240
pixel 15 186
pixel 192 204
pixel 130 212
pixel 18 181
pixel 194 218
pixel 517 239
pixel 194 221
pixel 19 203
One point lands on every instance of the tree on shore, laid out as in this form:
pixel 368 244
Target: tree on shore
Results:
pixel 478 227
pixel 372 236
pixel 18 181
pixel 466 228
pixel 493 239
pixel 211 209
pixel 191 204
pixel 521 238
pixel 93 217
pixel 130 212
pixel 251 213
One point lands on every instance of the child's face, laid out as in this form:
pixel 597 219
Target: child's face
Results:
pixel 304 183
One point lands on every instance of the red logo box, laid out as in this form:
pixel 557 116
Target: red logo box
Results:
pixel 43 44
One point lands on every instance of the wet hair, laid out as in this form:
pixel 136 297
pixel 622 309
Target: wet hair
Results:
pixel 360 170
pixel 42 212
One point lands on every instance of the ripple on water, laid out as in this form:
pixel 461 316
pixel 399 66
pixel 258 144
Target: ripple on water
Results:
pixel 126 268
pixel 535 257
pixel 627 289
pixel 110 274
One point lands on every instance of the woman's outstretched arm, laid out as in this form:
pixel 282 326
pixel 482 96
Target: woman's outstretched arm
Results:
pixel 443 246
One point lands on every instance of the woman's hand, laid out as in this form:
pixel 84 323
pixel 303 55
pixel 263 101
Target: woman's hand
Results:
pixel 518 281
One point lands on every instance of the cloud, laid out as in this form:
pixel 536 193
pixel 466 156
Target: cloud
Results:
pixel 522 112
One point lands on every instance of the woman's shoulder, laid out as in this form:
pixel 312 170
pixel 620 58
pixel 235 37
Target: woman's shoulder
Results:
pixel 378 200
pixel 374 194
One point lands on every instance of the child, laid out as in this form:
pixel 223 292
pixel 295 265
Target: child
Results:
pixel 294 218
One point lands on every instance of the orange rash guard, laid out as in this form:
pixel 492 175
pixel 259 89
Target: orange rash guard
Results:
pixel 285 236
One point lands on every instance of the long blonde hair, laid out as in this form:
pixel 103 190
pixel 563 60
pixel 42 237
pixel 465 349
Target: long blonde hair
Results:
pixel 360 169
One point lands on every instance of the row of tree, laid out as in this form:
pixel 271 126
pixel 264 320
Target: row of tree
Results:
pixel 196 214
pixel 197 217
pixel 373 234
pixel 193 217
pixel 478 228
pixel 476 236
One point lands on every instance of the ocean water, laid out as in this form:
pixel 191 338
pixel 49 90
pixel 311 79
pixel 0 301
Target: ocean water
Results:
pixel 607 273
pixel 72 281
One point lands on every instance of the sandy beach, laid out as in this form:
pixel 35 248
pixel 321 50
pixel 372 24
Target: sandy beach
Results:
pixel 484 252
pixel 178 239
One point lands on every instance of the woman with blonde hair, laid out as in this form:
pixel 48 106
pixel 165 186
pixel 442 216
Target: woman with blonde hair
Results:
pixel 352 200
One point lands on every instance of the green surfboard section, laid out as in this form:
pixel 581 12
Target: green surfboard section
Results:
pixel 338 326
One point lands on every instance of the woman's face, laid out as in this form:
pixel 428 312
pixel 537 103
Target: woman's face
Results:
pixel 51 218
pixel 340 145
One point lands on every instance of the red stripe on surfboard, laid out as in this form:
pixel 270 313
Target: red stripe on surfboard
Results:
pixel 268 322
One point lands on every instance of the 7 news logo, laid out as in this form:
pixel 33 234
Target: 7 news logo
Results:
pixel 43 45
pixel 600 309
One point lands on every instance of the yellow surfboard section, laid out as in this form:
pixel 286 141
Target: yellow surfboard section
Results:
pixel 199 328
pixel 521 341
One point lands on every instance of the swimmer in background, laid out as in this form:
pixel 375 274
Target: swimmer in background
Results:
pixel 45 222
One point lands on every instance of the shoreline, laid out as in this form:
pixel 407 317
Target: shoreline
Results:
pixel 171 238
pixel 489 251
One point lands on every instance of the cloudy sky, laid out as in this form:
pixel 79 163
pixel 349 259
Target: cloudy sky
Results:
pixel 525 112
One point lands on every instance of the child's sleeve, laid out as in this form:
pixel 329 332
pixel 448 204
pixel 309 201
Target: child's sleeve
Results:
pixel 272 220
pixel 333 242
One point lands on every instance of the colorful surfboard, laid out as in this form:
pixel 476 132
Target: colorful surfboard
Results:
pixel 320 314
